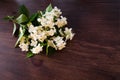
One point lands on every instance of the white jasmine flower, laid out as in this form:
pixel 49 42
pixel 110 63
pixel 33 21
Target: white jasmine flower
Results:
pixel 46 22
pixel 51 43
pixel 68 33
pixel 49 24
pixel 38 35
pixel 39 29
pixel 49 16
pixel 37 49
pixel 33 43
pixel 61 22
pixel 32 29
pixel 24 46
pixel 57 38
pixel 60 43
pixel 39 19
pixel 57 12
pixel 41 37
pixel 51 32
pixel 42 20
pixel 33 36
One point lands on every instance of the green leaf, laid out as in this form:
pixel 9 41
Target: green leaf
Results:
pixel 29 54
pixel 33 17
pixel 22 31
pixel 21 19
pixel 9 18
pixel 49 8
pixel 14 29
pixel 43 44
pixel 24 10
pixel 35 22
pixel 51 51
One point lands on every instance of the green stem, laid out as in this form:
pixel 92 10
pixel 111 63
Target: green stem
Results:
pixel 47 49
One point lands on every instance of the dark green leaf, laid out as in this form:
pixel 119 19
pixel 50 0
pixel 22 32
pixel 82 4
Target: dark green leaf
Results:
pixel 9 18
pixel 43 44
pixel 35 22
pixel 21 19
pixel 24 10
pixel 51 51
pixel 33 17
pixel 49 8
pixel 14 29
pixel 22 31
pixel 29 54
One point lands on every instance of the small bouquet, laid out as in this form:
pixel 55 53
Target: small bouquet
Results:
pixel 43 30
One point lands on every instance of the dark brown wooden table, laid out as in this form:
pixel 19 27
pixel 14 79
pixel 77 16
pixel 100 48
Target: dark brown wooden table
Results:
pixel 93 54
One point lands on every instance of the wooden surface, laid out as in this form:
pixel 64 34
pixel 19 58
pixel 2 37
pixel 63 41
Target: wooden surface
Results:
pixel 93 54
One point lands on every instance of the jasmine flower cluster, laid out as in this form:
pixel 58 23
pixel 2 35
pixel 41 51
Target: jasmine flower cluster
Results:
pixel 51 31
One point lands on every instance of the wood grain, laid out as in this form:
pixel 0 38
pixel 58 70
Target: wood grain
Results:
pixel 93 54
